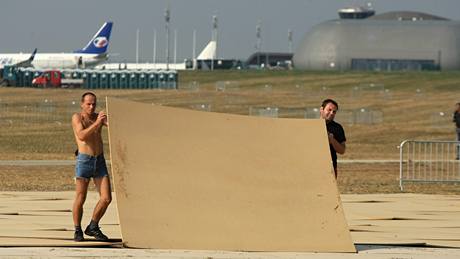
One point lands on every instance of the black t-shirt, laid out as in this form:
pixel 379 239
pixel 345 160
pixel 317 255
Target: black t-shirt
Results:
pixel 456 119
pixel 339 134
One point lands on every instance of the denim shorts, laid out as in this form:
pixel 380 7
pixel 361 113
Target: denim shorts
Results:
pixel 88 166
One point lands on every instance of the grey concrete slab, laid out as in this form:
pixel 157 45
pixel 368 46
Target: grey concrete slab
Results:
pixel 364 252
pixel 41 222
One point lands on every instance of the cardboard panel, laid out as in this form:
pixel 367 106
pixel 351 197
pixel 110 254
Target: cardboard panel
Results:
pixel 198 180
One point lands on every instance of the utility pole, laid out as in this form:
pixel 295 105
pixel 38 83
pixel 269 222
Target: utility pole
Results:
pixel 290 41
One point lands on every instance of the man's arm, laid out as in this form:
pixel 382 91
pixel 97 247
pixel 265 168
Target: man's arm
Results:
pixel 339 147
pixel 82 133
pixel 105 122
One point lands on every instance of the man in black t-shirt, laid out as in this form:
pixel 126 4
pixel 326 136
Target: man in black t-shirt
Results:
pixel 456 119
pixel 335 132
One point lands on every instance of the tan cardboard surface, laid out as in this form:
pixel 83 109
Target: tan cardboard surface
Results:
pixel 198 180
pixel 44 219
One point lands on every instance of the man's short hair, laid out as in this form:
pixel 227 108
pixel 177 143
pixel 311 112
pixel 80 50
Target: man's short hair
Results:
pixel 325 102
pixel 85 94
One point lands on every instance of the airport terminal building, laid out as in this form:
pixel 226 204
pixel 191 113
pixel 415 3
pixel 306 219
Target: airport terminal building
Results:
pixel 385 42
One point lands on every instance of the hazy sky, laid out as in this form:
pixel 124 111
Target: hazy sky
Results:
pixel 66 25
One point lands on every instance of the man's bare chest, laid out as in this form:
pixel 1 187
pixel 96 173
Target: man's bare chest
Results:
pixel 86 122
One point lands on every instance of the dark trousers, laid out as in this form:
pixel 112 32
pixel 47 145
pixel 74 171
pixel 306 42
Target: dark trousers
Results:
pixel 458 146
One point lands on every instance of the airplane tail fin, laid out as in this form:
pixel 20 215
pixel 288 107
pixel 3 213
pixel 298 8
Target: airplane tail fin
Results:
pixel 31 58
pixel 99 42
pixel 27 62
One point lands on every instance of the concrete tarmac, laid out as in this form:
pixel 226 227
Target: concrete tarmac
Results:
pixel 364 252
pixel 39 225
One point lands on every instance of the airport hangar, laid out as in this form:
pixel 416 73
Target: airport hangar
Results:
pixel 385 42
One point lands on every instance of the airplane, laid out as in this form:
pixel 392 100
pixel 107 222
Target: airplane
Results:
pixel 93 53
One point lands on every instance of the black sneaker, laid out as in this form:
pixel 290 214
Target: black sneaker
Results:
pixel 78 236
pixel 96 233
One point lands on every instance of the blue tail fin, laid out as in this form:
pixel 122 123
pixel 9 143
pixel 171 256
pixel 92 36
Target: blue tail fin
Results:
pixel 100 41
pixel 31 58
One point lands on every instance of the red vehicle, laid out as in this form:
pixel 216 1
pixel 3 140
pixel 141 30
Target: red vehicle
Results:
pixel 54 78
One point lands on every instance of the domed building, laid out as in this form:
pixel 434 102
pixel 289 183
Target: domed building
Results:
pixel 385 42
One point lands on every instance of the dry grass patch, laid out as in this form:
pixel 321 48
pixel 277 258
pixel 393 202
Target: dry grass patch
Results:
pixel 409 103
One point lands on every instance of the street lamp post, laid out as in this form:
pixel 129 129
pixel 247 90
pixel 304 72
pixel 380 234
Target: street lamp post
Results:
pixel 259 42
pixel 137 46
pixel 167 19
pixel 214 38
pixel 154 48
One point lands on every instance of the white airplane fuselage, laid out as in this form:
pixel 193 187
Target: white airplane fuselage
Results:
pixel 55 60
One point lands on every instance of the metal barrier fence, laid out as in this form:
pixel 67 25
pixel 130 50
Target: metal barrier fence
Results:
pixel 429 161
pixel 33 112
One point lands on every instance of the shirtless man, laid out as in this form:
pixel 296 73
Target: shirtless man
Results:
pixel 87 126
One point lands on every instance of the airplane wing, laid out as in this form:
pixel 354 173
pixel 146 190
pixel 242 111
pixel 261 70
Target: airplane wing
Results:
pixel 27 62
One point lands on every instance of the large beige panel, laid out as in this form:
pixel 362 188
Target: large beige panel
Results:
pixel 197 180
